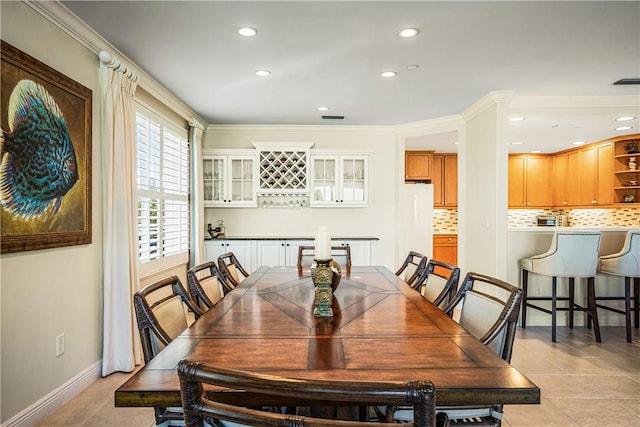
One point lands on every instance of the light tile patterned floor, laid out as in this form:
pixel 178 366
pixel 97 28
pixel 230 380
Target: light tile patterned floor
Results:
pixel 583 384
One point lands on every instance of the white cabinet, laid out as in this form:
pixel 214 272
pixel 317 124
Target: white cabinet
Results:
pixel 229 178
pixel 279 252
pixel 360 250
pixel 339 180
pixel 243 250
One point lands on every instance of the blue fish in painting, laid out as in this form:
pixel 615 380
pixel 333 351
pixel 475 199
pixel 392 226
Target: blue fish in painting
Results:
pixel 38 159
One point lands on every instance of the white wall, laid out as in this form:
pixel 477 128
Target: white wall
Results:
pixel 49 292
pixel 376 220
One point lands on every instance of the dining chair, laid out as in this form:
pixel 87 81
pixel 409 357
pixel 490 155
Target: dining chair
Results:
pixel 161 317
pixel 206 285
pixel 438 282
pixel 198 408
pixel 489 310
pixel 340 254
pixel 412 266
pixel 571 255
pixel 625 263
pixel 231 269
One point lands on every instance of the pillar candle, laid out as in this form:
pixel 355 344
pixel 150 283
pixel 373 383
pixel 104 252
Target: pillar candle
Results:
pixel 322 244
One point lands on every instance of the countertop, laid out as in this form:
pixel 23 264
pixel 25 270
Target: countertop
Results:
pixel 569 229
pixel 285 238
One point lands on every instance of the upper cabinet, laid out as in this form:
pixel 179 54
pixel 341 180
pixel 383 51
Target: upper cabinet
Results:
pixel 283 167
pixel 626 171
pixel 529 181
pixel 229 178
pixel 418 165
pixel 339 180
pixel 444 177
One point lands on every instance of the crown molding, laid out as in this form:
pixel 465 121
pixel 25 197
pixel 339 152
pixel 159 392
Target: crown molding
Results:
pixel 560 102
pixel 56 13
pixel 489 100
pixel 285 129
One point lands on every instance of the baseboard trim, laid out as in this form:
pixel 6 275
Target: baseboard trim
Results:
pixel 54 400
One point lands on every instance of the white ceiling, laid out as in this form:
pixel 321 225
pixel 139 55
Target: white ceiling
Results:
pixel 331 53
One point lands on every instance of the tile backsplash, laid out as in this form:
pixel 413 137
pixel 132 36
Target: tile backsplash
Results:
pixel 445 221
pixel 626 217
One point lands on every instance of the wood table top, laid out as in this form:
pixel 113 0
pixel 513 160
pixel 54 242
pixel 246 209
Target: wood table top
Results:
pixel 381 330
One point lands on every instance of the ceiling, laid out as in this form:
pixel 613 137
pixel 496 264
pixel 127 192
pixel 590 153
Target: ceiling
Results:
pixel 331 53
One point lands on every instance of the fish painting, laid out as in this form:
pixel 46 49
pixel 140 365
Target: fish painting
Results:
pixel 38 157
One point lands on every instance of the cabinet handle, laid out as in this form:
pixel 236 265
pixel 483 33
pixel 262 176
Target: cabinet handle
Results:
pixel 281 244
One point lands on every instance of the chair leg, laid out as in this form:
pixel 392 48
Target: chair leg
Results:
pixel 591 296
pixel 572 293
pixel 525 292
pixel 554 286
pixel 627 306
pixel 636 300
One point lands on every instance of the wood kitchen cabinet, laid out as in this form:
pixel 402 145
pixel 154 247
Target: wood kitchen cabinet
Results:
pixel 626 174
pixel 418 165
pixel 529 181
pixel 445 181
pixel 559 168
pixel 445 248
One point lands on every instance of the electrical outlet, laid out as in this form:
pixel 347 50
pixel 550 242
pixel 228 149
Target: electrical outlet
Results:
pixel 538 291
pixel 59 345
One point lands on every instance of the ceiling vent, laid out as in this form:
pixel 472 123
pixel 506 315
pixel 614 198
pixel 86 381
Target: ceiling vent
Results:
pixel 332 117
pixel 627 82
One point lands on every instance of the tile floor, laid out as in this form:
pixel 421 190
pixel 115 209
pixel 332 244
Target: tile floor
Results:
pixel 583 384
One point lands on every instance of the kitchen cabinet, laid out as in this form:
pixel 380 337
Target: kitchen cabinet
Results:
pixel 445 248
pixel 529 181
pixel 339 180
pixel 418 165
pixel 445 181
pixel 559 169
pixel 595 175
pixel 229 178
pixel 360 250
pixel 626 171
pixel 279 252
pixel 283 167
pixel 243 250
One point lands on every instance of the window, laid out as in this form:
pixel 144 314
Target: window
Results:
pixel 163 189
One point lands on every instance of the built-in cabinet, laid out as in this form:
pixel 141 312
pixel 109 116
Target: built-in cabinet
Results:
pixel 444 178
pixel 243 250
pixel 445 248
pixel 339 180
pixel 529 181
pixel 229 180
pixel 254 253
pixel 418 165
pixel 626 171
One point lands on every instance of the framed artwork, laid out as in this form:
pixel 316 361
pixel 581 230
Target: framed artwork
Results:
pixel 45 163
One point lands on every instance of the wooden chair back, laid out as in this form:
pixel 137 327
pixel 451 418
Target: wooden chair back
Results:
pixel 206 285
pixel 231 269
pixel 198 408
pixel 489 311
pixel 438 282
pixel 340 254
pixel 412 267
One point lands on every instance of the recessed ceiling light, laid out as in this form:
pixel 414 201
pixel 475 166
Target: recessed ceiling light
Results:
pixel 263 73
pixel 409 32
pixel 624 128
pixel 247 31
pixel 323 108
pixel 578 142
pixel 388 74
pixel 625 118
pixel 412 67
pixel 517 143
pixel 516 118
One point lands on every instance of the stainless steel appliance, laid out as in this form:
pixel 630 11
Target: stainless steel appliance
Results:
pixel 552 221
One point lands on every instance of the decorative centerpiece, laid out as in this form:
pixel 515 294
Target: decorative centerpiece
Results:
pixel 325 274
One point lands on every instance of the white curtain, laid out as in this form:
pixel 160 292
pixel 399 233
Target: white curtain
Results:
pixel 197 197
pixel 121 340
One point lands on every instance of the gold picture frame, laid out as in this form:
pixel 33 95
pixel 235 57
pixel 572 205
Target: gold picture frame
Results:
pixel 36 211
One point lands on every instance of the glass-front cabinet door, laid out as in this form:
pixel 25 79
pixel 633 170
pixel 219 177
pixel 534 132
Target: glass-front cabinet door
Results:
pixel 229 181
pixel 339 181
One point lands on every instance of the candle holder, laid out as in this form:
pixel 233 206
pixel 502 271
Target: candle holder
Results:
pixel 325 275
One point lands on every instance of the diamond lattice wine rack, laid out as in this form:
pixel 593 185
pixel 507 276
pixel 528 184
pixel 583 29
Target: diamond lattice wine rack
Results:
pixel 284 169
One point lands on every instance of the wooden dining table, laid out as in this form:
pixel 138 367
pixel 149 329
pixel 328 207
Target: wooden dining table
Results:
pixel 381 329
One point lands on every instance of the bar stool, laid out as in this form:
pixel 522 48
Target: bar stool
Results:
pixel 625 263
pixel 571 255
